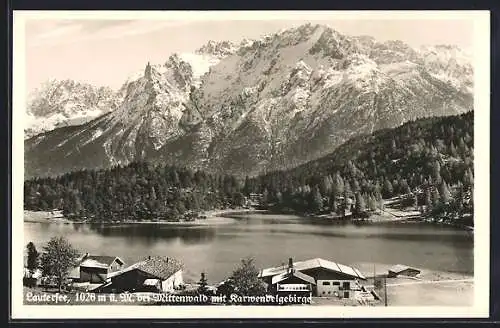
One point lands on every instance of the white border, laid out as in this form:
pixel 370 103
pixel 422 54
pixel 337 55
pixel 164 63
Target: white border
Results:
pixel 481 170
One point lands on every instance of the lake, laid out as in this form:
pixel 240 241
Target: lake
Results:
pixel 271 239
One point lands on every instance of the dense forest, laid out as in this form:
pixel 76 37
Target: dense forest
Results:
pixel 427 164
pixel 139 191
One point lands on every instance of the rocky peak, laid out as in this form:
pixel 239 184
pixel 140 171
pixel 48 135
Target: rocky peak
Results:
pixel 218 49
pixel 333 44
pixel 147 71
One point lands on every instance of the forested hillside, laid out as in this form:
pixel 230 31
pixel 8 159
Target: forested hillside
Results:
pixel 428 163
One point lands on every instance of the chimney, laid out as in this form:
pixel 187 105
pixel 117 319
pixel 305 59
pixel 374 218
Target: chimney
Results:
pixel 290 265
pixel 149 257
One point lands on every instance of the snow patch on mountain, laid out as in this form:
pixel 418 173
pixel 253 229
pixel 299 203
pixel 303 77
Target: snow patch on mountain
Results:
pixel 95 134
pixel 200 63
pixel 449 64
pixel 65 103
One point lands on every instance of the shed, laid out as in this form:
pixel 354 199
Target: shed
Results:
pixel 403 270
pixel 96 268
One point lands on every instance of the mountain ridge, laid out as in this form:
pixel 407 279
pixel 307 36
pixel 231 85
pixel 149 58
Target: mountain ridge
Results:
pixel 265 104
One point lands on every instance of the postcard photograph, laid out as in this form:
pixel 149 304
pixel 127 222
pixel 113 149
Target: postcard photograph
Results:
pixel 266 164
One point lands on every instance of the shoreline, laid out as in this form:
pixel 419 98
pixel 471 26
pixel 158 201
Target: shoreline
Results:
pixel 381 217
pixel 219 216
pixel 225 216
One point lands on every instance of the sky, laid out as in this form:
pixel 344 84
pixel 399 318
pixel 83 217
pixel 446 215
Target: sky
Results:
pixel 105 52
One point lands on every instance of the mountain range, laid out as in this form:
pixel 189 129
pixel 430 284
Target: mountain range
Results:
pixel 260 105
pixel 59 103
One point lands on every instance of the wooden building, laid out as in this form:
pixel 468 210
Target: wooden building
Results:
pixel 95 269
pixel 154 274
pixel 330 278
pixel 292 282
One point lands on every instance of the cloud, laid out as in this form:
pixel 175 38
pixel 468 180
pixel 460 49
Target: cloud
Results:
pixel 57 32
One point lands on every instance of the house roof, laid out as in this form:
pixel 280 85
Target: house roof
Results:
pixel 401 267
pixel 99 260
pixel 313 264
pixel 297 274
pixel 74 273
pixel 161 267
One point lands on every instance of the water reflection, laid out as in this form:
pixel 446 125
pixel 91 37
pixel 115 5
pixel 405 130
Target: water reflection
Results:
pixel 217 249
pixel 151 233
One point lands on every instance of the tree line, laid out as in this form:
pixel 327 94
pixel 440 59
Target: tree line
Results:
pixel 139 191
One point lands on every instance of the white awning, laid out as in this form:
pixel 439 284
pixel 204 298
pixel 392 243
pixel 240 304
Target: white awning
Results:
pixel 151 282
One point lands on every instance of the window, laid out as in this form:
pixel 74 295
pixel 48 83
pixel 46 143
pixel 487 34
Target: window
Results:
pixel 326 283
pixel 336 283
pixel 346 285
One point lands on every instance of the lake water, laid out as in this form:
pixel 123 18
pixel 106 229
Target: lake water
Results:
pixel 271 239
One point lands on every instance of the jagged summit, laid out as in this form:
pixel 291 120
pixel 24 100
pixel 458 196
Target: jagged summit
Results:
pixel 218 49
pixel 59 103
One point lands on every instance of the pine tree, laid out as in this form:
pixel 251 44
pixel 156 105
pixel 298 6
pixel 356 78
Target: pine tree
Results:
pixel 444 193
pixel 355 186
pixel 325 186
pixel 347 188
pixel 203 285
pixel 436 170
pixel 435 198
pixel 33 258
pixel 333 204
pixel 372 203
pixel 152 194
pixel 316 200
pixel 360 205
pixel 468 178
pixel 247 187
pixel 265 197
pixel 338 186
pixel 453 150
pixel 388 189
